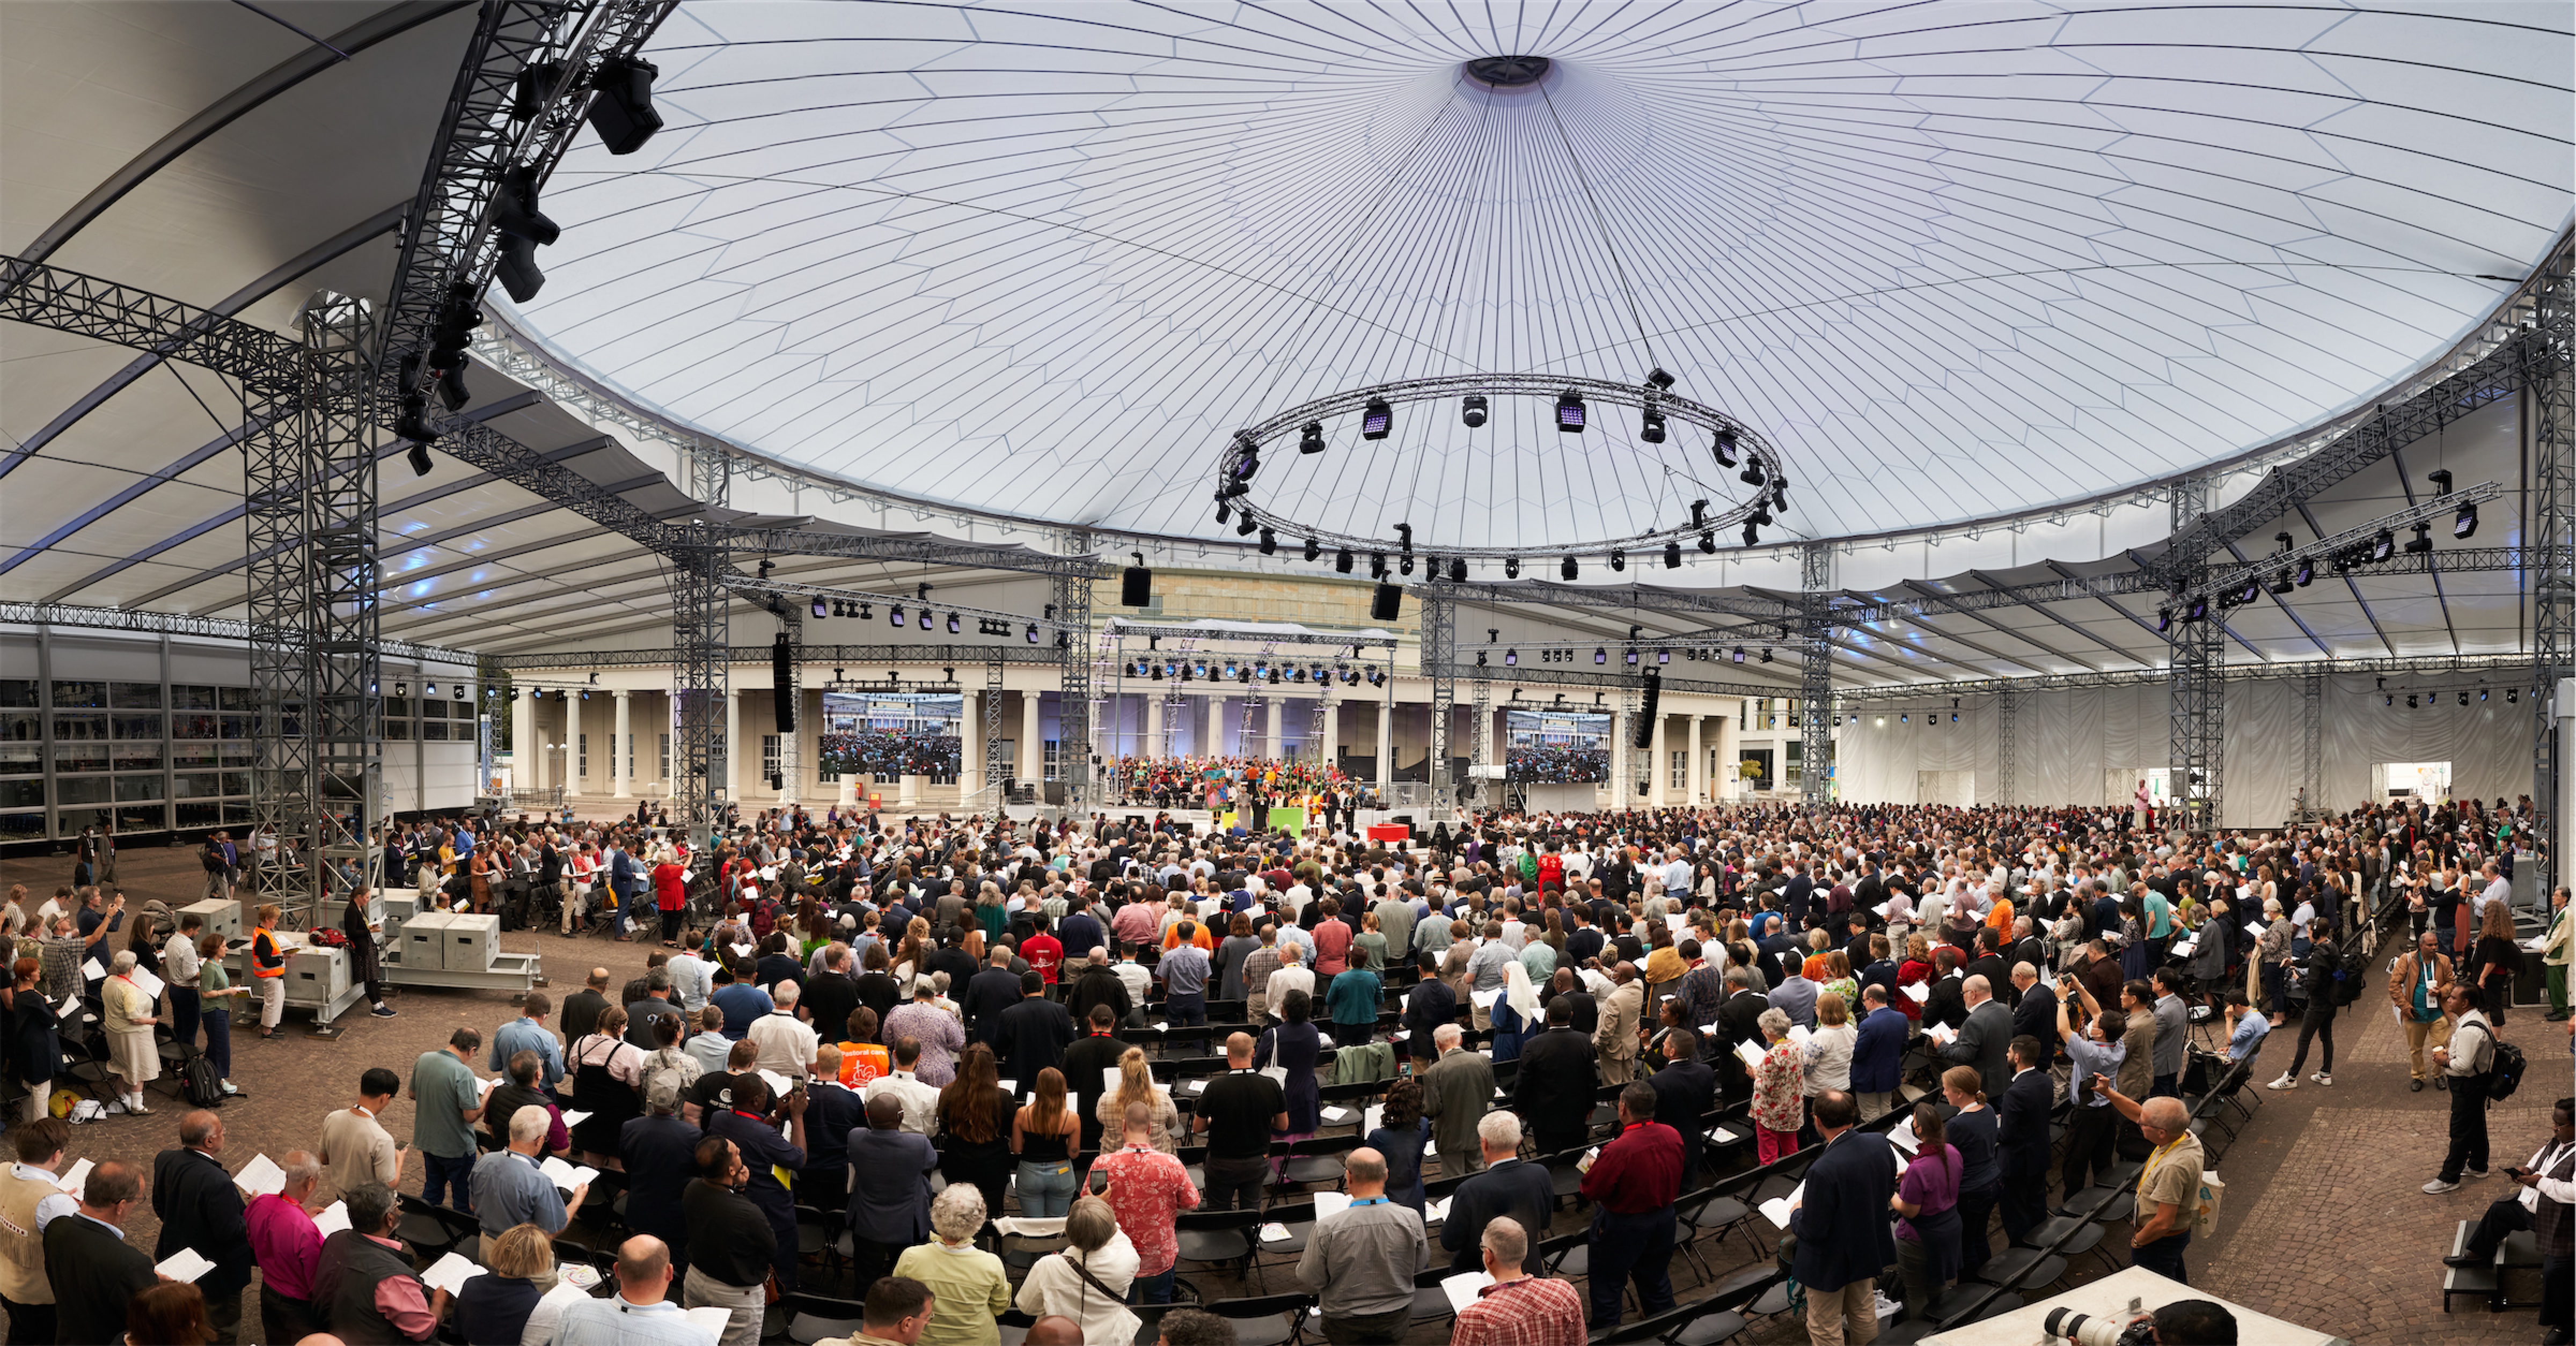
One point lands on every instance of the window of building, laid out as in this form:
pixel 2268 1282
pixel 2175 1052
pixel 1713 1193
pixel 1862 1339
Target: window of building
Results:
pixel 582 743
pixel 769 747
pixel 1680 768
pixel 1053 771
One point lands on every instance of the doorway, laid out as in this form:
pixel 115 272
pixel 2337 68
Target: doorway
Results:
pixel 2411 782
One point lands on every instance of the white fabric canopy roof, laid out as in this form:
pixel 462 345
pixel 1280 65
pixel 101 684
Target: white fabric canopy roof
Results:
pixel 1956 260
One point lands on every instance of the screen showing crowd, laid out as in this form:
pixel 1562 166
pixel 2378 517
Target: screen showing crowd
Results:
pixel 889 735
pixel 1556 747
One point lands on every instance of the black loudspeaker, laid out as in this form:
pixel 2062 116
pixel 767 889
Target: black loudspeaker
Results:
pixel 1384 603
pixel 782 681
pixel 1643 736
pixel 1136 587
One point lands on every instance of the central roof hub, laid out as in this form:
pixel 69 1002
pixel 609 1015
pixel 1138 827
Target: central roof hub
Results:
pixel 1508 72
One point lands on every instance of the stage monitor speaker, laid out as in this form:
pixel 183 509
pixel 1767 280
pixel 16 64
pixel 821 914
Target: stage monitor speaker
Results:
pixel 782 680
pixel 1136 587
pixel 1385 602
pixel 1643 735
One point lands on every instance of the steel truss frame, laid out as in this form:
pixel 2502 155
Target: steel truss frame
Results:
pixel 2548 353
pixel 187 624
pixel 1862 699
pixel 993 760
pixel 343 639
pixel 2007 709
pixel 1815 674
pixel 1438 659
pixel 1069 582
pixel 1246 445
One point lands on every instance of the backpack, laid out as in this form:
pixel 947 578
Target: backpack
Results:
pixel 198 1081
pixel 2505 1071
pixel 764 917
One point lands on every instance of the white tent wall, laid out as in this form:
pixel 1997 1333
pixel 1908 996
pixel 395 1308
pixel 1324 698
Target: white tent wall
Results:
pixel 2067 742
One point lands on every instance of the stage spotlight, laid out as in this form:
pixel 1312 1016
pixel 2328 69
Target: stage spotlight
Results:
pixel 1311 439
pixel 1404 564
pixel 623 112
pixel 1457 570
pixel 1752 535
pixel 522 227
pixel 867 611
pixel 1313 549
pixel 1511 658
pixel 952 623
pixel 1568 568
pixel 2410 701
pixel 432 689
pixel 1377 565
pixel 418 454
pixel 1342 560
pixel 1708 543
pixel 821 606
pixel 1511 567
pixel 2464 698
pixel 2164 620
pixel 1724 447
pixel 1739 654
pixel 1954 717
pixel 1663 656
pixel 1600 655
pixel 2465 522
pixel 1618 559
pixel 2305 572
pixel 2512 696
pixel 1766 654
pixel 1224 511
pixel 1248 527
pixel 2382 546
pixel 2482 695
pixel 1473 410
pixel 2388 701
pixel 1230 669
pixel 1269 542
pixel 1569 413
pixel 2441 479
pixel 1752 473
pixel 1378 420
pixel 896 615
pixel 2199 609
pixel 1157 675
pixel 1480 658
pixel 1672 556
pixel 1632 656
pixel 2282 583
pixel 1905 719
pixel 2423 539
pixel 1651 426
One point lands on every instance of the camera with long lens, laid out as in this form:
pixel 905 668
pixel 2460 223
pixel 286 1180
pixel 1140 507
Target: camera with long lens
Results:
pixel 2133 1328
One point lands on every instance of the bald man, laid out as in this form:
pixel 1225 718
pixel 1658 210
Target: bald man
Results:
pixel 1054 1330
pixel 2168 1186
pixel 1360 1261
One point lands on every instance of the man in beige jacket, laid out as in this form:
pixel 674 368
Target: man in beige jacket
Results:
pixel 1616 1038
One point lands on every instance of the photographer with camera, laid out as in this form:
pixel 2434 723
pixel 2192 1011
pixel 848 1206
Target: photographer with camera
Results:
pixel 2093 1126
pixel 2184 1322
pixel 2168 1185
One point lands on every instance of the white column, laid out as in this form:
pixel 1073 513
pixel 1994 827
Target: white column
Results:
pixel 729 771
pixel 1658 770
pixel 1032 752
pixel 1729 731
pixel 970 750
pixel 1333 733
pixel 1698 765
pixel 1386 748
pixel 1271 742
pixel 619 784
pixel 527 747
pixel 1153 745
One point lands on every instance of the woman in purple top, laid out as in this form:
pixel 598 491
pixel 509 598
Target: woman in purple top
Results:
pixel 1927 1199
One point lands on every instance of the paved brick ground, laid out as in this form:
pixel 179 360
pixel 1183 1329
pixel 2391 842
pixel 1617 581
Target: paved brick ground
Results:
pixel 2322 1224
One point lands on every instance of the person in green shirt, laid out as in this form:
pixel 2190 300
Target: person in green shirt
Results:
pixel 448 1101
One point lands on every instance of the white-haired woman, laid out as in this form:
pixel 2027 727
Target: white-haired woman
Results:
pixel 968 1288
pixel 125 1012
pixel 1088 1281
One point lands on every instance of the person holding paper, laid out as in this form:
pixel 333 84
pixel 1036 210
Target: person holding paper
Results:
pixel 1360 1261
pixel 508 1188
pixel 1516 1307
pixel 286 1246
pixel 94 1272
pixel 34 1046
pixel 201 1211
pixel 1844 1240
pixel 496 1305
pixel 31 1198
pixel 1779 1089
pixel 125 1014
pixel 1632 1185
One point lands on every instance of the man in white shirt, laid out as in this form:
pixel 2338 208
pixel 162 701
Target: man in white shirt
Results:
pixel 920 1101
pixel 786 1042
pixel 692 979
pixel 1293 975
pixel 642 1312
pixel 1134 975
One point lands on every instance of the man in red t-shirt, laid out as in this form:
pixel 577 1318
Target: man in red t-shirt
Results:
pixel 1044 953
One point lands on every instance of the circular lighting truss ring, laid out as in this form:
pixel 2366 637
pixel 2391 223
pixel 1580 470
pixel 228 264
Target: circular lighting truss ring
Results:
pixel 1279 434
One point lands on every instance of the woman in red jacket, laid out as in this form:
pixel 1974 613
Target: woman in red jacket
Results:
pixel 1916 970
pixel 670 894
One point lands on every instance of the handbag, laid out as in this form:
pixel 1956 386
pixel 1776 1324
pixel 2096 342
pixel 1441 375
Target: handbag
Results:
pixel 1128 1323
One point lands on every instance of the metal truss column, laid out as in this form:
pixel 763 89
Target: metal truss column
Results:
pixel 1815 673
pixel 346 721
pixel 2312 768
pixel 995 765
pixel 2197 693
pixel 1437 657
pixel 2551 376
pixel 1072 595
pixel 279 585
pixel 1480 733
pixel 701 630
pixel 2007 704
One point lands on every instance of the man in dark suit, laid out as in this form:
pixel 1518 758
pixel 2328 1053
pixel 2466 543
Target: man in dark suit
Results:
pixel 88 1262
pixel 986 995
pixel 1431 1003
pixel 581 1009
pixel 2021 1129
pixel 201 1210
pixel 1946 1003
pixel 1685 1090
pixel 2034 1014
pixel 1085 1062
pixel 1557 1077
pixel 1844 1236
pixel 1583 1012
pixel 1033 1034
pixel 1507 1186
pixel 828 997
pixel 1796 897
pixel 1739 1017
pixel 1989 964
pixel 1984 1037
